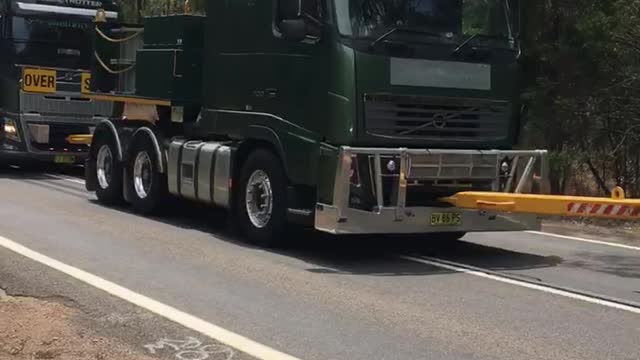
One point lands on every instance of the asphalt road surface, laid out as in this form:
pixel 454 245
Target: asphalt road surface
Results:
pixel 492 296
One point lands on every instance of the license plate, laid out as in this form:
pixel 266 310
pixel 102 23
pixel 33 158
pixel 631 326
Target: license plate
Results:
pixel 446 219
pixel 64 159
pixel 39 80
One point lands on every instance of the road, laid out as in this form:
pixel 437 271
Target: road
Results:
pixel 492 296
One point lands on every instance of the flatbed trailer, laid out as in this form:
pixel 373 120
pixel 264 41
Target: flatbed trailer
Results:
pixel 294 120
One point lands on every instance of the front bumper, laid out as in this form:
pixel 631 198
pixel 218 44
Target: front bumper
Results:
pixel 391 215
pixel 416 221
pixel 44 139
pixel 17 157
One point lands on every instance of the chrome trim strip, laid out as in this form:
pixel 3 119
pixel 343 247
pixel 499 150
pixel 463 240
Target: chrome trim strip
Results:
pixel 259 114
pixel 266 54
pixel 341 97
pixel 222 175
pixel 173 166
pixel 206 163
pixel 64 10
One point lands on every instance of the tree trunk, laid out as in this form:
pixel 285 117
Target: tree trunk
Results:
pixel 601 183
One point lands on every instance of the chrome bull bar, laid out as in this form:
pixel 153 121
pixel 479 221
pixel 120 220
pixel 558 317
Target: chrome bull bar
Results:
pixel 506 171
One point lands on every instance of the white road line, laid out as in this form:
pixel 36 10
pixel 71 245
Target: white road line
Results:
pixel 65 178
pixel 622 246
pixel 462 269
pixel 224 336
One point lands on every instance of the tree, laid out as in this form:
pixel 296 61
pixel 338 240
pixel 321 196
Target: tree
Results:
pixel 581 60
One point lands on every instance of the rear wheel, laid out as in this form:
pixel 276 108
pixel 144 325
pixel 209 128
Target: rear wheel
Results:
pixel 147 185
pixel 108 171
pixel 261 201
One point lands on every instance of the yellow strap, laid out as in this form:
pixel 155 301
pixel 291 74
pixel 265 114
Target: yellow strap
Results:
pixel 110 39
pixel 108 69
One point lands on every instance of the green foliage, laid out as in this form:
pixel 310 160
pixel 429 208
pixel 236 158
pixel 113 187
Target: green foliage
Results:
pixel 582 67
pixel 134 10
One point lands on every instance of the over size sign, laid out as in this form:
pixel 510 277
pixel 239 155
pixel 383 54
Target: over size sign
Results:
pixel 39 80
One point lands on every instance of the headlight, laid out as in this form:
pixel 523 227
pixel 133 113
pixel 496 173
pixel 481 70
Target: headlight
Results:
pixel 11 129
pixel 505 167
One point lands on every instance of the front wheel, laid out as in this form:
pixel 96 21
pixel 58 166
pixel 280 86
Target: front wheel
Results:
pixel 147 187
pixel 108 171
pixel 261 201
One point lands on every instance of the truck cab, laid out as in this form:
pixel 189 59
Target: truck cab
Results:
pixel 430 73
pixel 46 49
pixel 426 90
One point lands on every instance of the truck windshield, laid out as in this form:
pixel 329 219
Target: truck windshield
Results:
pixel 371 18
pixel 51 42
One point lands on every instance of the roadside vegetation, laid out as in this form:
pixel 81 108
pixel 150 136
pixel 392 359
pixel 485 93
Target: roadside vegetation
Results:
pixel 582 86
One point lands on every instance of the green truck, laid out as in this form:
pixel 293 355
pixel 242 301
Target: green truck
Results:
pixel 348 116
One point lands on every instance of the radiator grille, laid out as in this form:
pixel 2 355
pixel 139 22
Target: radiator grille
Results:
pixel 436 118
pixel 63 104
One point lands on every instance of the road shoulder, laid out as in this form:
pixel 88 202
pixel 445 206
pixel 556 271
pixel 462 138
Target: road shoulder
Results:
pixel 48 315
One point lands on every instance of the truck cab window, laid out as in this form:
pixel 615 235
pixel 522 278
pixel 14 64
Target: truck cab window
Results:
pixel 312 11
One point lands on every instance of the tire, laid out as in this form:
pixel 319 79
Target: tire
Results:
pixel 262 174
pixel 108 171
pixel 147 185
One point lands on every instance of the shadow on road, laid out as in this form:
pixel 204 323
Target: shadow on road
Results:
pixel 39 171
pixel 623 266
pixel 357 255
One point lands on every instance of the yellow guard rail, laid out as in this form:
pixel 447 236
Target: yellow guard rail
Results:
pixel 616 207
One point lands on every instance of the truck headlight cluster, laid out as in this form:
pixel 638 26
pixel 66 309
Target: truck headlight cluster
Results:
pixel 11 129
pixel 391 166
pixel 505 167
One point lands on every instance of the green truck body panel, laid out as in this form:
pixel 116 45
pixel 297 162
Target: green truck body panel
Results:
pixel 170 74
pixel 170 64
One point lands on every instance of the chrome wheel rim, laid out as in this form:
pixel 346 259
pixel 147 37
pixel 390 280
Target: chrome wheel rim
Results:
pixel 142 175
pixel 259 199
pixel 104 166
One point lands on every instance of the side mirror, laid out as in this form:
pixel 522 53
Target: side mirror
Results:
pixel 294 29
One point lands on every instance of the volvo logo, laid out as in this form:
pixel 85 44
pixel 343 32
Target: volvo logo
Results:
pixel 67 76
pixel 440 120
